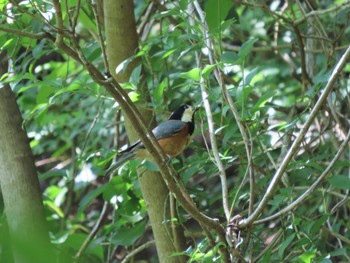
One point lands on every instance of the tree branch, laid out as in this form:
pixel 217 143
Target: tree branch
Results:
pixel 16 32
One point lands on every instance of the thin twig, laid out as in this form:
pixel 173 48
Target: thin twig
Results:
pixel 280 47
pixel 296 144
pixel 100 37
pixel 97 116
pixel 59 20
pixel 34 5
pixel 273 242
pixel 301 46
pixel 337 235
pixel 25 11
pixel 94 230
pixel 76 16
pixel 138 250
pixel 321 12
pixel 40 35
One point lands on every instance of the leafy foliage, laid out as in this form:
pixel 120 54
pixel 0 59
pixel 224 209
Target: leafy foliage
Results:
pixel 273 60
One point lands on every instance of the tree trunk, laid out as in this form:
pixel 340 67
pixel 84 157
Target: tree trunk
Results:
pixel 122 43
pixel 20 185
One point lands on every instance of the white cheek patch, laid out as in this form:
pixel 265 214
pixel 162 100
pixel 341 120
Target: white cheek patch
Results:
pixel 187 115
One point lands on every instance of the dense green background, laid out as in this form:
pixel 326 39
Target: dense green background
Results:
pixel 273 63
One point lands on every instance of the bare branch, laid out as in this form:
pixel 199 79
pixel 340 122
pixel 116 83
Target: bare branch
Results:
pixel 94 230
pixel 138 250
pixel 16 32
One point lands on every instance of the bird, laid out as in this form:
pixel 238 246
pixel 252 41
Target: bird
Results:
pixel 173 135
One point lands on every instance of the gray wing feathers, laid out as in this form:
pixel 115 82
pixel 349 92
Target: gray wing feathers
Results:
pixel 168 129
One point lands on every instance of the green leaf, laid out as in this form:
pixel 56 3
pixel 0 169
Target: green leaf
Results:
pixel 266 258
pixel 183 4
pixel 249 77
pixel 123 65
pixel 45 93
pixel 3 3
pixel 92 195
pixel 136 75
pixel 150 166
pixel 233 58
pixel 192 74
pixel 277 200
pixel 285 244
pixel 207 70
pixel 117 186
pixel 340 182
pixel 159 91
pixel 246 48
pixel 339 252
pixel 134 96
pixel 168 53
pixel 340 164
pixel 126 236
pixel 319 223
pixel 216 12
pixel 230 58
pixel 70 88
pixel 51 206
pixel 261 103
pixel 308 256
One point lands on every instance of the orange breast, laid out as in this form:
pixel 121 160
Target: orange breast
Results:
pixel 173 146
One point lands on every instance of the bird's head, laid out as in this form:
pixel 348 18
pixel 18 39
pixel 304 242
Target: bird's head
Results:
pixel 184 113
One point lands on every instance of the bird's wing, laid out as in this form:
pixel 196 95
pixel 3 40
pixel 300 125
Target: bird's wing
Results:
pixel 168 129
pixel 164 130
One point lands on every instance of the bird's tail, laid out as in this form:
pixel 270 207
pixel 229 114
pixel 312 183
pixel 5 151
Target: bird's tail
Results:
pixel 126 156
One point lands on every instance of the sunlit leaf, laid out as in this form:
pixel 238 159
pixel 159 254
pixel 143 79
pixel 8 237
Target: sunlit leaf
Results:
pixel 308 256
pixel 193 74
pixel 208 70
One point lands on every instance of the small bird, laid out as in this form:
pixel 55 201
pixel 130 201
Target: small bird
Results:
pixel 172 135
